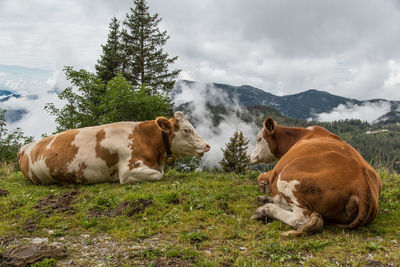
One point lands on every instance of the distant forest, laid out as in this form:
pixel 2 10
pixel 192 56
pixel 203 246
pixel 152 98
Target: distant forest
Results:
pixel 379 144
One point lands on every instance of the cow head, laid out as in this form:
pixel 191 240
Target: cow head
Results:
pixel 262 152
pixel 184 140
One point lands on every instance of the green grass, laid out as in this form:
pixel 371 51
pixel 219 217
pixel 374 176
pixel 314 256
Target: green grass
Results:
pixel 195 218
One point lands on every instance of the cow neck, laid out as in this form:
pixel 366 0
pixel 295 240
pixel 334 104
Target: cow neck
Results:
pixel 286 137
pixel 170 159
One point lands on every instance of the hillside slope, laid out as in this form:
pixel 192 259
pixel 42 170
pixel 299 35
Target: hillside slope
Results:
pixel 186 219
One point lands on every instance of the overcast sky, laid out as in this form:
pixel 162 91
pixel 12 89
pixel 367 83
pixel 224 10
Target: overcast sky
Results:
pixel 348 48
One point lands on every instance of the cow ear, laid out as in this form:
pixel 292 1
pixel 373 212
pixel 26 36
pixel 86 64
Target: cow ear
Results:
pixel 269 126
pixel 164 124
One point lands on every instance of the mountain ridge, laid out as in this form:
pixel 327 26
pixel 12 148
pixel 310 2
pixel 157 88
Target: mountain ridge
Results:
pixel 304 105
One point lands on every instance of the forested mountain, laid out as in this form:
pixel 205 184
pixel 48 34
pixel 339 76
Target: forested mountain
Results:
pixel 379 144
pixel 303 105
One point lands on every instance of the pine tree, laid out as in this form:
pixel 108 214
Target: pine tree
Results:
pixel 110 63
pixel 235 156
pixel 145 62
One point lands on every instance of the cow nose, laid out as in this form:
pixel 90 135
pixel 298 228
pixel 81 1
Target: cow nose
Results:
pixel 207 147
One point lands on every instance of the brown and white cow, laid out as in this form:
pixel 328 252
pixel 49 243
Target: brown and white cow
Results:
pixel 123 151
pixel 317 177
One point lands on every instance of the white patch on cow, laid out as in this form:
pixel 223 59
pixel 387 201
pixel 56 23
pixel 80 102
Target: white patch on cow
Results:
pixel 115 141
pixel 187 142
pixel 96 168
pixel 310 128
pixel 140 173
pixel 262 153
pixel 52 141
pixel 40 169
pixel 288 188
pixel 27 149
pixel 281 201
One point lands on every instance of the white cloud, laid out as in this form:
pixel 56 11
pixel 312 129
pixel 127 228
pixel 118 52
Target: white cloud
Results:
pixel 37 121
pixel 365 112
pixel 394 76
pixel 32 82
pixel 280 46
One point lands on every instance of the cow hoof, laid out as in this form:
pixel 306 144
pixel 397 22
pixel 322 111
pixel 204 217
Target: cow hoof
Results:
pixel 291 233
pixel 268 220
pixel 264 199
pixel 257 216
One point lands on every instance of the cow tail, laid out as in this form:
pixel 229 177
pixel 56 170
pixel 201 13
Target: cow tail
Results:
pixel 367 208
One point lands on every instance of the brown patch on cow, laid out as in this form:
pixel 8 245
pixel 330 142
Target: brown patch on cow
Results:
pixel 3 192
pixel 62 203
pixel 26 255
pixel 111 159
pixel 128 208
pixel 79 175
pixel 61 153
pixel 308 186
pixel 30 225
pixel 146 146
pixel 39 151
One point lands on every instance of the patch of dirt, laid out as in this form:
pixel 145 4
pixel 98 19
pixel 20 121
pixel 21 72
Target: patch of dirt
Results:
pixel 30 225
pixel 28 254
pixel 374 263
pixel 52 203
pixel 128 208
pixel 3 192
pixel 178 262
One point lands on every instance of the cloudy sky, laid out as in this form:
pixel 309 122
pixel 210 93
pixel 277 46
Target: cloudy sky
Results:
pixel 348 48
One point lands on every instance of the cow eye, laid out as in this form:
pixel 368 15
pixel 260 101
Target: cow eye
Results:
pixel 188 131
pixel 259 140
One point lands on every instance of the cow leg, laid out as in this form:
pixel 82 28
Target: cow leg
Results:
pixel 295 218
pixel 138 175
pixel 312 226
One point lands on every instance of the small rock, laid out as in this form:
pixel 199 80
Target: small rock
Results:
pixel 242 248
pixel 85 236
pixel 50 232
pixel 395 242
pixel 39 240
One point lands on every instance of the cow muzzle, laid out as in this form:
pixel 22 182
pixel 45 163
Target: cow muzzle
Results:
pixel 200 153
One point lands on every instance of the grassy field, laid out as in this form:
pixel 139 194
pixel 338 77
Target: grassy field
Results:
pixel 199 219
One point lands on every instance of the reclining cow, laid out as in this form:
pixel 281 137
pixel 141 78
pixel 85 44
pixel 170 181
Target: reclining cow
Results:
pixel 318 178
pixel 127 152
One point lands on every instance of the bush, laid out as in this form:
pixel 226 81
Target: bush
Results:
pixel 10 142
